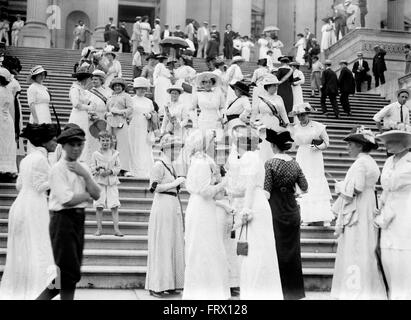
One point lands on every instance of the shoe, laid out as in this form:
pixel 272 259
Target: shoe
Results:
pixel 118 234
pixel 172 292
pixel 157 294
pixel 98 233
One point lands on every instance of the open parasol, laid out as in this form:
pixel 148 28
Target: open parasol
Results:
pixel 175 42
pixel 271 29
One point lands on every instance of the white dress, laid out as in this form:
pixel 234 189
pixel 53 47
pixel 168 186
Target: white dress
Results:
pixel 234 74
pixel 328 36
pixel 246 50
pixel 211 105
pixel 186 74
pixel 260 275
pixel 80 99
pixel 263 43
pixel 298 97
pixel 315 205
pixel 396 238
pixel 206 273
pixel 40 97
pixel 114 71
pixel 29 264
pixel 258 77
pixel 8 147
pixel 145 37
pixel 161 81
pixel 141 140
pixel 277 45
pixel 300 45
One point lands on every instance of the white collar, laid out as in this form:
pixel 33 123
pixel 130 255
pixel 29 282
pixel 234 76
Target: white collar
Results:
pixel 283 156
pixel 42 150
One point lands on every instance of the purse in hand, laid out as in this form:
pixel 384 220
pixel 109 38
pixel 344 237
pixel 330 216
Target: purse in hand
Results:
pixel 242 246
pixel 317 142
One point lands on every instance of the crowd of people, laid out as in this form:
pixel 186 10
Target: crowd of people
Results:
pixel 223 140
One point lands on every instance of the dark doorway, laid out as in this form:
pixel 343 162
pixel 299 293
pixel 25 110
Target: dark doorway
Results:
pixel 128 14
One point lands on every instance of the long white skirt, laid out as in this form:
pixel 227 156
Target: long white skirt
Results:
pixel 8 147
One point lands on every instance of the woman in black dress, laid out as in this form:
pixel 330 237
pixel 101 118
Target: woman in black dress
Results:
pixel 282 174
pixel 285 90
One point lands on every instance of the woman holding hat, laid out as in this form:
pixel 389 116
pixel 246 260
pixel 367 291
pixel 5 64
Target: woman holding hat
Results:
pixel 8 147
pixel 394 218
pixel 141 140
pixel 257 79
pixel 240 107
pixel 356 274
pixel 80 100
pixel 114 69
pixel 161 81
pixel 165 267
pixel 260 277
pixel 176 116
pixel 38 97
pixel 234 74
pixel 30 261
pixel 282 175
pixel 120 107
pixel 312 139
pixel 210 100
pixel 285 91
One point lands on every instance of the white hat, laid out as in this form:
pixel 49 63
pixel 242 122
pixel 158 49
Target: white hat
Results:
pixel 99 73
pixel 175 88
pixel 207 76
pixel 5 74
pixel 36 71
pixel 396 135
pixel 87 50
pixel 270 79
pixel 237 59
pixel 141 82
pixel 328 62
pixel 301 108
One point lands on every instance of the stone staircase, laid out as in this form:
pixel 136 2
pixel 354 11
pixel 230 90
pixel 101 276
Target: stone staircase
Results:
pixel 111 262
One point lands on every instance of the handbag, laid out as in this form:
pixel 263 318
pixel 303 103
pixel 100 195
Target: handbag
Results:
pixel 187 87
pixel 242 246
pixel 317 142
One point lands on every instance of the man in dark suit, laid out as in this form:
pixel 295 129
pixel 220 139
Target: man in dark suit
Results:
pixel 179 33
pixel 360 70
pixel 212 52
pixel 378 65
pixel 308 45
pixel 346 83
pixel 216 32
pixel 124 37
pixel 228 42
pixel 329 88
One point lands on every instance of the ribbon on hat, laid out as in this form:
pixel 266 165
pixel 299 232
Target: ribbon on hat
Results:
pixel 367 134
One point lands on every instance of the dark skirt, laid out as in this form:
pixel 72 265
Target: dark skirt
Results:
pixel 286 222
pixel 67 240
pixel 285 91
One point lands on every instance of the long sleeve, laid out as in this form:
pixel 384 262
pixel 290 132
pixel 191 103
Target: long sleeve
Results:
pixel 301 180
pixel 268 179
pixel 93 164
pixel 247 110
pixel 75 100
pixel 199 179
pixel 40 175
pixel 282 111
pixel 249 173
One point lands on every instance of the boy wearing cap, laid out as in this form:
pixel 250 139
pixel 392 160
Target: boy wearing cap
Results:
pixel 71 187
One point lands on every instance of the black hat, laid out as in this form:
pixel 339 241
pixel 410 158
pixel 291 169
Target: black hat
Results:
pixel 71 133
pixel 262 62
pixel 284 59
pixel 82 73
pixel 282 140
pixel 243 87
pixel 362 136
pixel 151 56
pixel 39 133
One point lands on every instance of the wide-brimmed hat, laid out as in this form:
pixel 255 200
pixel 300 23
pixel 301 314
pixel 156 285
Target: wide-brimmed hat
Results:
pixel 71 134
pixel 141 82
pixel 294 64
pixel 5 74
pixel 270 79
pixel 175 88
pixel 171 60
pixel 36 70
pixel 161 57
pixel 344 62
pixel 283 139
pixel 109 50
pixel 39 133
pixel 242 86
pixel 152 56
pixel 363 136
pixel 237 59
pixel 301 108
pixel 328 62
pixel 97 126
pixel 99 73
pixel 82 73
pixel 87 50
pixel 120 81
pixel 208 76
pixel 396 135
pixel 284 59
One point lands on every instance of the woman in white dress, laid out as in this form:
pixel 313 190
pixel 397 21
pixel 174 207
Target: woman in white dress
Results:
pixel 269 113
pixel 99 95
pixel 395 218
pixel 113 66
pixel 145 35
pixel 328 35
pixel 312 139
pixel 221 72
pixel 30 262
pixel 141 139
pixel 234 74
pixel 264 43
pixel 300 46
pixel 260 276
pixel 38 97
pixel 357 233
pixel 258 76
pixel 299 80
pixel 238 110
pixel 176 116
pixel 246 48
pixel 8 147
pixel 206 273
pixel 162 81
pixel 276 46
pixel 80 100
pixel 185 74
pixel 210 101
pixel 165 266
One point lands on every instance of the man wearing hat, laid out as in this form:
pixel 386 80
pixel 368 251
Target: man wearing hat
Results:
pixel 166 33
pixel 124 38
pixel 136 36
pixel 215 32
pixel 228 41
pixel 203 36
pixel 346 83
pixel 179 33
pixel 329 88
pixel 394 113
pixel 15 30
pixel 71 188
pixel 212 52
pixel 360 70
pixel 378 65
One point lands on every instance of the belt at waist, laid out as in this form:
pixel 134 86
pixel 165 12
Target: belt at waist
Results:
pixel 283 190
pixel 232 117
pixel 70 211
pixel 174 194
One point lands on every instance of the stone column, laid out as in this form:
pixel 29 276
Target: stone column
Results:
pixel 271 13
pixel 106 9
pixel 35 32
pixel 395 16
pixel 242 16
pixel 173 13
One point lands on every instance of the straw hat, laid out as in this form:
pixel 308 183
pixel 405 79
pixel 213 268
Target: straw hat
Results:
pixel 270 79
pixel 82 73
pixel 141 82
pixel 363 136
pixel 120 81
pixel 5 74
pixel 97 126
pixel 109 50
pixel 87 50
pixel 208 76
pixel 294 64
pixel 242 86
pixel 175 88
pixel 237 59
pixel 396 135
pixel 301 108
pixel 283 139
pixel 99 73
pixel 284 59
pixel 36 71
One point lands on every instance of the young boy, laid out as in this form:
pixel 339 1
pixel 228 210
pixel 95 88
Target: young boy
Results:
pixel 105 167
pixel 71 188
